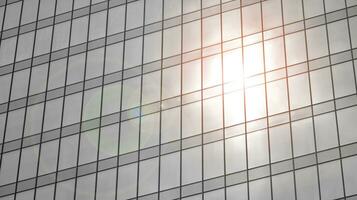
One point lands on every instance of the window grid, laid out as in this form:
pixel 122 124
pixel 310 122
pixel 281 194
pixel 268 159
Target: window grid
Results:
pixel 142 161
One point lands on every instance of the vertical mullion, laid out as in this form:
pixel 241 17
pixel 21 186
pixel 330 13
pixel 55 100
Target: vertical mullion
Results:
pixel 64 101
pixel 181 91
pixel 245 98
pixel 223 93
pixel 266 98
pixel 121 100
pixel 201 93
pixel 288 95
pixel 311 100
pixel 334 96
pixel 141 100
pixel 101 101
pixel 161 78
pixel 83 90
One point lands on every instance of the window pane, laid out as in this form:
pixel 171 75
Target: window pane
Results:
pixel 213 160
pixel 280 143
pixel 191 165
pixel 148 176
pixel 331 180
pixel 235 154
pixel 258 150
pixel 170 171
pixel 303 137
pixel 191 119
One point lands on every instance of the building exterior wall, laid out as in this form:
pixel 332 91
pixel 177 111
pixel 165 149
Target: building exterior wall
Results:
pixel 178 99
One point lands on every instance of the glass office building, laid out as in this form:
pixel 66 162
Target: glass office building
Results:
pixel 178 99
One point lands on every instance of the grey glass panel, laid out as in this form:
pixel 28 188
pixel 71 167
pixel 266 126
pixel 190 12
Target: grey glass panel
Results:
pixel 106 184
pixel 148 176
pixel 260 189
pixel 170 125
pixel 338 36
pixel 237 191
pixel 151 87
pixel 116 20
pixel 38 79
pixel 331 180
pixel 88 146
pixel 72 109
pixel 111 98
pixel 131 93
pixel 63 6
pixel 79 30
pixel 76 68
pixel 114 58
pixel 53 114
pixel 12 15
pixel 231 29
pixel 133 52
pixel 129 135
pixel 235 154
pixel 25 46
pixel 172 8
pixel 191 165
pixel 14 124
pixel 251 19
pixel 8 172
pixel 45 193
pixel 61 35
pixel 212 114
pixel 313 8
pixel 170 171
pixel 81 3
pixel 43 41
pixel 134 16
pixel 326 131
pixel 171 82
pixel 152 47
pixel 343 79
pixel 57 74
pixel 28 163
pixel 211 37
pixel 272 16
pixel 191 36
pixel 172 41
pixel 346 125
pixel 20 84
pixel 65 190
pixel 108 146
pixel 280 143
pixel 153 11
pixel 303 137
pixel 91 103
pixel 29 11
pixel 258 153
pixel 213 163
pixel 5 88
pixel 95 60
pixel 127 177
pixel 191 76
pixel 292 11
pixel 150 128
pixel 299 91
pixel 283 186
pixel 217 194
pixel 7 51
pixel 85 187
pixel 191 119
pixel 306 184
pixel 48 157
pixel 350 176
pixel 97 25
pixel 68 152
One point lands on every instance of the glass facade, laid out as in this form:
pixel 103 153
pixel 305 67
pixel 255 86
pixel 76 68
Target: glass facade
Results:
pixel 178 99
